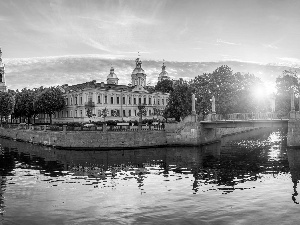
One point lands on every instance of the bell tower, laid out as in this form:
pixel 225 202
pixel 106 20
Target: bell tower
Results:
pixel 138 76
pixel 2 74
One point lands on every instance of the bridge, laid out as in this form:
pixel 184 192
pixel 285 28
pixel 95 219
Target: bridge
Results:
pixel 236 120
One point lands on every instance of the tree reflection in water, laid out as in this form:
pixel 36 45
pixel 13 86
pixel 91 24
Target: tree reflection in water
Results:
pixel 242 161
pixel 223 167
pixel 294 164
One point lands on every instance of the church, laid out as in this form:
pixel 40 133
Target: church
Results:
pixel 2 74
pixel 112 101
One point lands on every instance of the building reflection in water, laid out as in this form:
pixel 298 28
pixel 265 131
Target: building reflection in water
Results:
pixel 221 166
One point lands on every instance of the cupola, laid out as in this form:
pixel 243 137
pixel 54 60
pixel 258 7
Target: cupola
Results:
pixel 138 76
pixel 163 74
pixel 112 77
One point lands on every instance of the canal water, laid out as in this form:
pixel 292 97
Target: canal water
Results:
pixel 249 178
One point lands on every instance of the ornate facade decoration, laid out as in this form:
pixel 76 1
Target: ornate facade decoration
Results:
pixel 119 101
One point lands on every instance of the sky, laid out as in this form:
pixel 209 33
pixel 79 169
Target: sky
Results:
pixel 175 30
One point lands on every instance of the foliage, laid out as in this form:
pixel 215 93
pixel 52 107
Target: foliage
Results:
pixel 6 104
pixel 165 86
pixel 89 113
pixel 24 104
pixel 49 101
pixel 142 111
pixel 179 103
pixel 233 92
pixel 286 84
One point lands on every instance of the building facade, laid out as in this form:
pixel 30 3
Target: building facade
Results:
pixel 2 74
pixel 91 100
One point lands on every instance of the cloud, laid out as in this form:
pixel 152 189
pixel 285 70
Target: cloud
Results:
pixel 226 42
pixel 270 46
pixel 291 60
pixel 51 71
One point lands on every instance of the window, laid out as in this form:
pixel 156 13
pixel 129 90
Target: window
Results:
pixel 149 101
pixel 76 113
pixel 129 112
pixel 154 101
pixel 90 98
pixel 105 99
pixel 112 100
pixel 145 102
pixel 71 101
pixel 135 112
pixel 140 100
pixel 67 114
pixel 80 113
pixel 150 113
pixel 124 114
pixel 80 100
pixel 163 101
pixel 157 101
pixel 76 101
pixel 134 101
pixel 118 100
pixel 99 99
pixel 129 100
pixel 124 102
pixel 71 113
pixel 99 113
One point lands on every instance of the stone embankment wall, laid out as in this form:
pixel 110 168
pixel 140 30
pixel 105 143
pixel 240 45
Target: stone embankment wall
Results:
pixel 186 133
pixel 189 132
pixel 89 139
pixel 293 137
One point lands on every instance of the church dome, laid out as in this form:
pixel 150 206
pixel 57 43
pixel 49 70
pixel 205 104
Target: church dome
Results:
pixel 163 74
pixel 112 77
pixel 112 73
pixel 138 70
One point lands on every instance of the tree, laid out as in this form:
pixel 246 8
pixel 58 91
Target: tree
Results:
pixel 180 103
pixel 49 101
pixel 24 105
pixel 233 92
pixel 104 113
pixel 165 86
pixel 286 84
pixel 6 104
pixel 142 111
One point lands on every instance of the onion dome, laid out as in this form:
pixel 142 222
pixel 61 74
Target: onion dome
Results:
pixel 112 77
pixel 138 76
pixel 163 74
pixel 138 68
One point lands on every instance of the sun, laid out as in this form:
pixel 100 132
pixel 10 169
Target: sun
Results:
pixel 263 91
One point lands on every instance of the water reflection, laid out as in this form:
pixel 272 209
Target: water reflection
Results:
pixel 294 164
pixel 237 163
pixel 224 166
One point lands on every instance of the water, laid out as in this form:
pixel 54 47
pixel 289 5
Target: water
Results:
pixel 246 179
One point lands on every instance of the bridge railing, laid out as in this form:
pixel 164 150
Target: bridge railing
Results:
pixel 242 116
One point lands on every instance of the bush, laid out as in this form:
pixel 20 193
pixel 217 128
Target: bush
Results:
pixel 74 124
pixel 111 123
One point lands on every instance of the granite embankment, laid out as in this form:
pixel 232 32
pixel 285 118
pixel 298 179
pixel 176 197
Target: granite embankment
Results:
pixel 186 133
pixel 88 139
